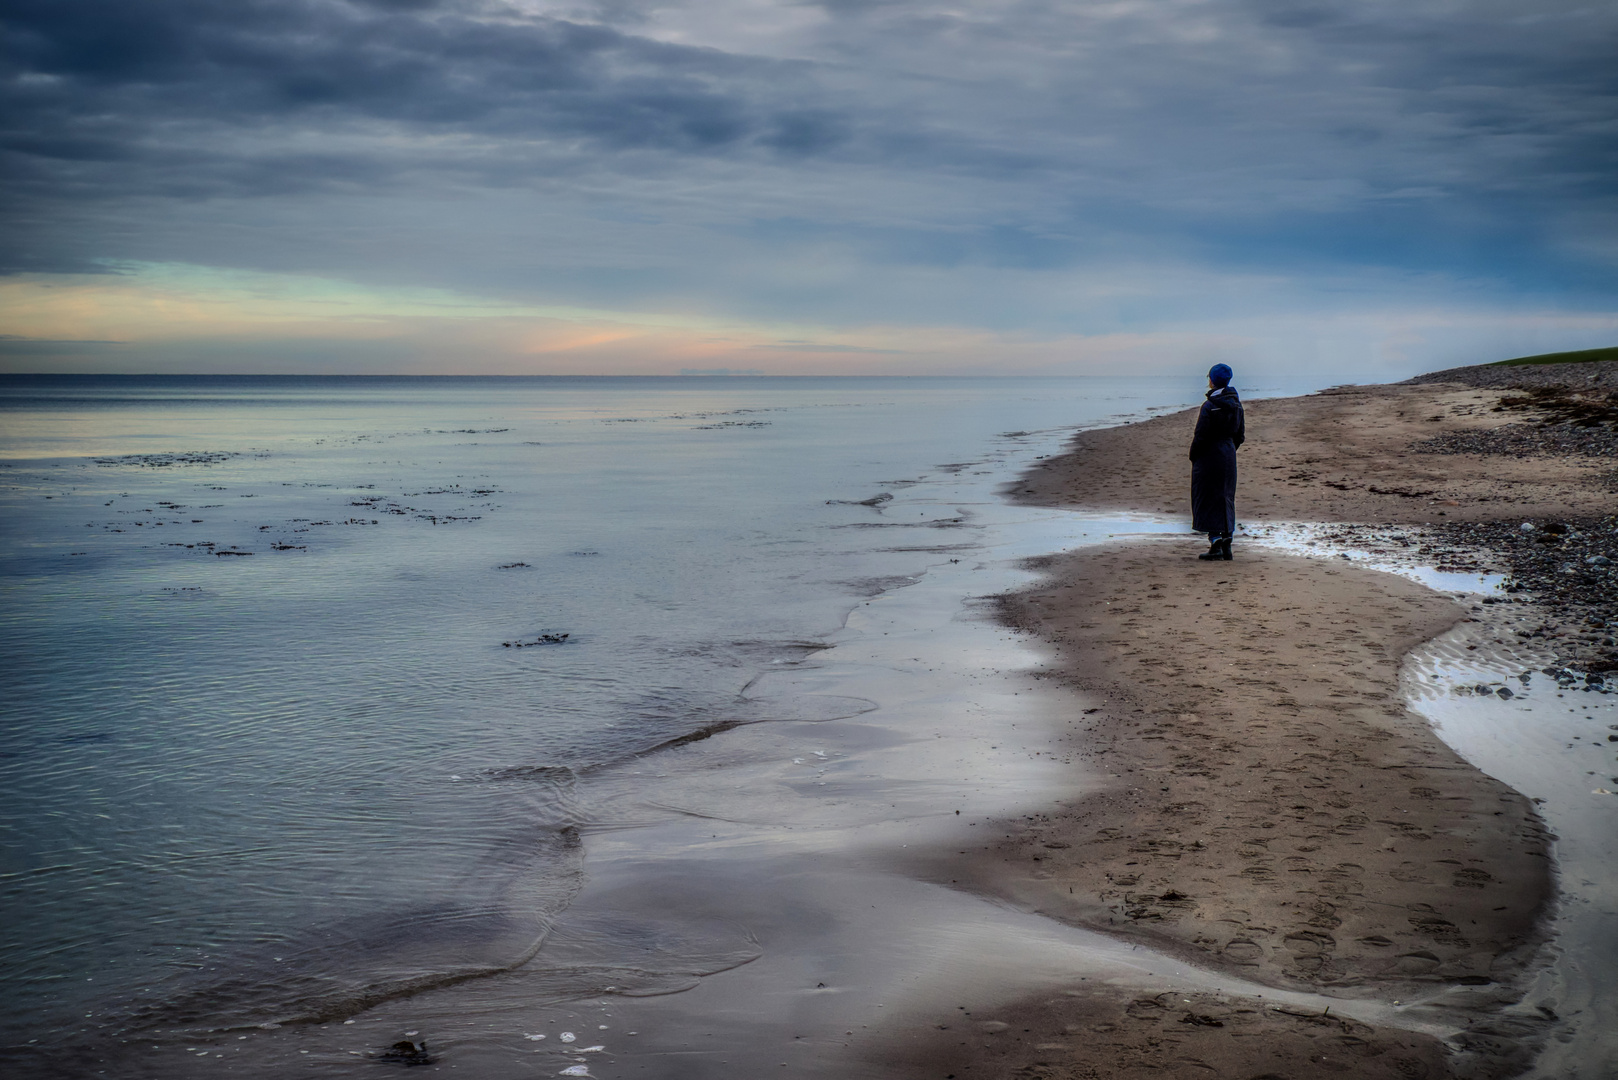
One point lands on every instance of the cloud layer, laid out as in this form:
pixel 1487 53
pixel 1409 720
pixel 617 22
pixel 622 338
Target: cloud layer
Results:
pixel 1056 169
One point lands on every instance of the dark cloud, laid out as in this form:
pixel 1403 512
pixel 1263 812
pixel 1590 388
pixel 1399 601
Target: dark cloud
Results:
pixel 98 77
pixel 197 100
pixel 1461 137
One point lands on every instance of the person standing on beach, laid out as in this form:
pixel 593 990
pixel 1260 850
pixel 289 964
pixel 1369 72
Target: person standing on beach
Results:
pixel 1221 428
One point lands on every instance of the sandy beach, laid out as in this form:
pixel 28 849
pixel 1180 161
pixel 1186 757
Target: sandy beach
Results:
pixel 1270 806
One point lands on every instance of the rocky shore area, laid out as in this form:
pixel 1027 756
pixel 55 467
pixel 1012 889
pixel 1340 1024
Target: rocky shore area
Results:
pixel 1561 580
pixel 1569 568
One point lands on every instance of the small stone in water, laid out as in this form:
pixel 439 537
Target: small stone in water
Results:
pixel 568 1036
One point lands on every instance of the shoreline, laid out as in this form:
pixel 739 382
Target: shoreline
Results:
pixel 814 865
pixel 1290 817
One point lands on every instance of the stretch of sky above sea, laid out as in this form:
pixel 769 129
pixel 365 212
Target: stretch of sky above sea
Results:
pixel 1358 189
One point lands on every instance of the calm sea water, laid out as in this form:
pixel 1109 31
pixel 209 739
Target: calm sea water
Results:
pixel 301 676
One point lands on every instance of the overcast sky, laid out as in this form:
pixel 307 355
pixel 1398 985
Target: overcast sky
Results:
pixel 1364 187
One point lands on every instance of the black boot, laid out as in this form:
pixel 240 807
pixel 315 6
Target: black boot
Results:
pixel 1214 552
pixel 1224 548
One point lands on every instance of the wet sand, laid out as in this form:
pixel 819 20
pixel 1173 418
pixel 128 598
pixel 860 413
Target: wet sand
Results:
pixel 1271 808
pixel 1101 1035
pixel 1274 807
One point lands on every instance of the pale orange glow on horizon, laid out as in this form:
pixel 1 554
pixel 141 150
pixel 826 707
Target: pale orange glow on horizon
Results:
pixel 166 318
pixel 160 311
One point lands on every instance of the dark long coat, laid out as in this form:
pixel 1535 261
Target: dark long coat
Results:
pixel 1221 428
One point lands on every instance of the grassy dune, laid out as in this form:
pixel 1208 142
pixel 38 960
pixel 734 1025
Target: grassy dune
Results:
pixel 1580 356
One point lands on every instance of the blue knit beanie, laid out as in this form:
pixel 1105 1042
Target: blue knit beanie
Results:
pixel 1220 374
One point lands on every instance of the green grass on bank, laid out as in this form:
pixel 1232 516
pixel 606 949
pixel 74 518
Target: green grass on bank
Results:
pixel 1580 356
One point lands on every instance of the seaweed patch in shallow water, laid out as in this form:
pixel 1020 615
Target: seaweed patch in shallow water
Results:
pixel 542 639
pixel 163 461
pixel 405 1052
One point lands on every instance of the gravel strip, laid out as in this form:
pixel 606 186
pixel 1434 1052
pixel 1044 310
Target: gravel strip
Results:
pixel 1542 440
pixel 1568 567
pixel 1596 375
